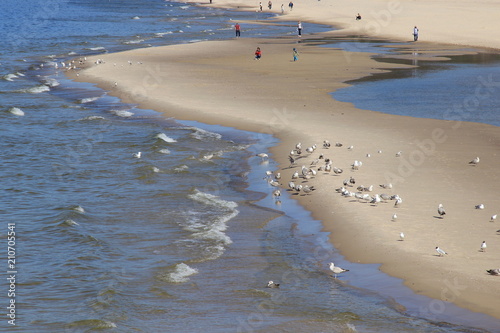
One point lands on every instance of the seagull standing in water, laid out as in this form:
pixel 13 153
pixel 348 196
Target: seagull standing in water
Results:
pixel 137 155
pixel 441 252
pixel 337 270
pixel 271 284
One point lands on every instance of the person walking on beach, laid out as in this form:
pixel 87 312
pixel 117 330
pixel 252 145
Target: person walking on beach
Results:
pixel 237 29
pixel 415 34
pixel 282 9
pixel 295 54
pixel 270 5
pixel 258 54
pixel 299 28
pixel 290 5
pixel 260 6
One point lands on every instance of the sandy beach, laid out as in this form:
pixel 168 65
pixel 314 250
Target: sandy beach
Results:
pixel 221 83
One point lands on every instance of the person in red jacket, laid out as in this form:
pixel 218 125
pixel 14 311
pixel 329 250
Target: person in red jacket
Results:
pixel 258 54
pixel 237 29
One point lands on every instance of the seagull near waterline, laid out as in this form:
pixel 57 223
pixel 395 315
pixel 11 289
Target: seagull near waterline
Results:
pixel 271 284
pixel 441 210
pixel 337 270
pixel 264 156
pixel 137 155
pixel 441 252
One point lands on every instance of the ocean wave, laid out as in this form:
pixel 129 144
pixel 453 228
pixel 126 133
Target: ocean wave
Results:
pixel 164 137
pixel 93 324
pixel 212 200
pixel 181 168
pixel 50 82
pixel 161 34
pixel 69 222
pixel 9 77
pixel 202 134
pixel 164 151
pixel 136 18
pixel 36 90
pixel 137 41
pixel 88 99
pixel 181 273
pixel 16 111
pixel 91 118
pixel 78 208
pixel 97 48
pixel 122 113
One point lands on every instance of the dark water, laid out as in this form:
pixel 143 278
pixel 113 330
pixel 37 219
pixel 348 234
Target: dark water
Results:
pixel 182 239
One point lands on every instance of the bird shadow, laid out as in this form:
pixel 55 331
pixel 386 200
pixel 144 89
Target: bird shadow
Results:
pixel 438 217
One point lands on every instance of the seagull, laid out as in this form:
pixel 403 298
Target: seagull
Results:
pixel 494 271
pixel 137 155
pixel 271 284
pixel 402 236
pixel 264 156
pixel 338 144
pixel 295 175
pixel 398 154
pixel 337 270
pixel 350 148
pixel 441 210
pixel 326 144
pixel 387 186
pixel 394 217
pixel 440 251
pixel 480 206
pixel 398 202
pixel 483 246
pixel 292 160
pixel 474 161
pixel 276 194
pixel 493 218
pixel 308 189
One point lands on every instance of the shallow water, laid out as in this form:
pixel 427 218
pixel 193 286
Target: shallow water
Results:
pixel 182 239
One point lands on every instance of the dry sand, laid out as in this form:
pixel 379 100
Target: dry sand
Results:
pixel 220 83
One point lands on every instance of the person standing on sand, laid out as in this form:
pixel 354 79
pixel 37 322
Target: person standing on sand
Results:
pixel 237 29
pixel 258 54
pixel 270 5
pixel 260 6
pixel 295 54
pixel 299 28
pixel 282 9
pixel 415 34
pixel 290 5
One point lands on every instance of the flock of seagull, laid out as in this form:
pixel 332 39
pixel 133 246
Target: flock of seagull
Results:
pixel 362 193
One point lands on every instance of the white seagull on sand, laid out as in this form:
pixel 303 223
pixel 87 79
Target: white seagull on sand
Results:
pixel 493 218
pixel 480 206
pixel 402 236
pixel 441 252
pixel 494 271
pixel 337 270
pixel 441 210
pixel 483 246
pixel 474 161
pixel 394 217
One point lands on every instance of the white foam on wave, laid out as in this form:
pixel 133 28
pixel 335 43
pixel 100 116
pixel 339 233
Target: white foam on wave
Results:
pixel 98 48
pixel 50 82
pixel 181 273
pixel 184 7
pixel 9 77
pixel 88 99
pixel 164 151
pixel 136 41
pixel 212 229
pixel 69 222
pixel 202 134
pixel 164 137
pixel 91 118
pixel 161 34
pixel 181 168
pixel 36 90
pixel 78 209
pixel 16 111
pixel 122 113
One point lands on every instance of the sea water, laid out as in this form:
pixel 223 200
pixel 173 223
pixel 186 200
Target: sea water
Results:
pixel 182 239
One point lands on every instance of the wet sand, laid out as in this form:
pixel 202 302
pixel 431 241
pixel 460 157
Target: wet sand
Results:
pixel 220 83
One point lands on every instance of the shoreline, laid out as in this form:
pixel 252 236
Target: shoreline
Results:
pixel 282 123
